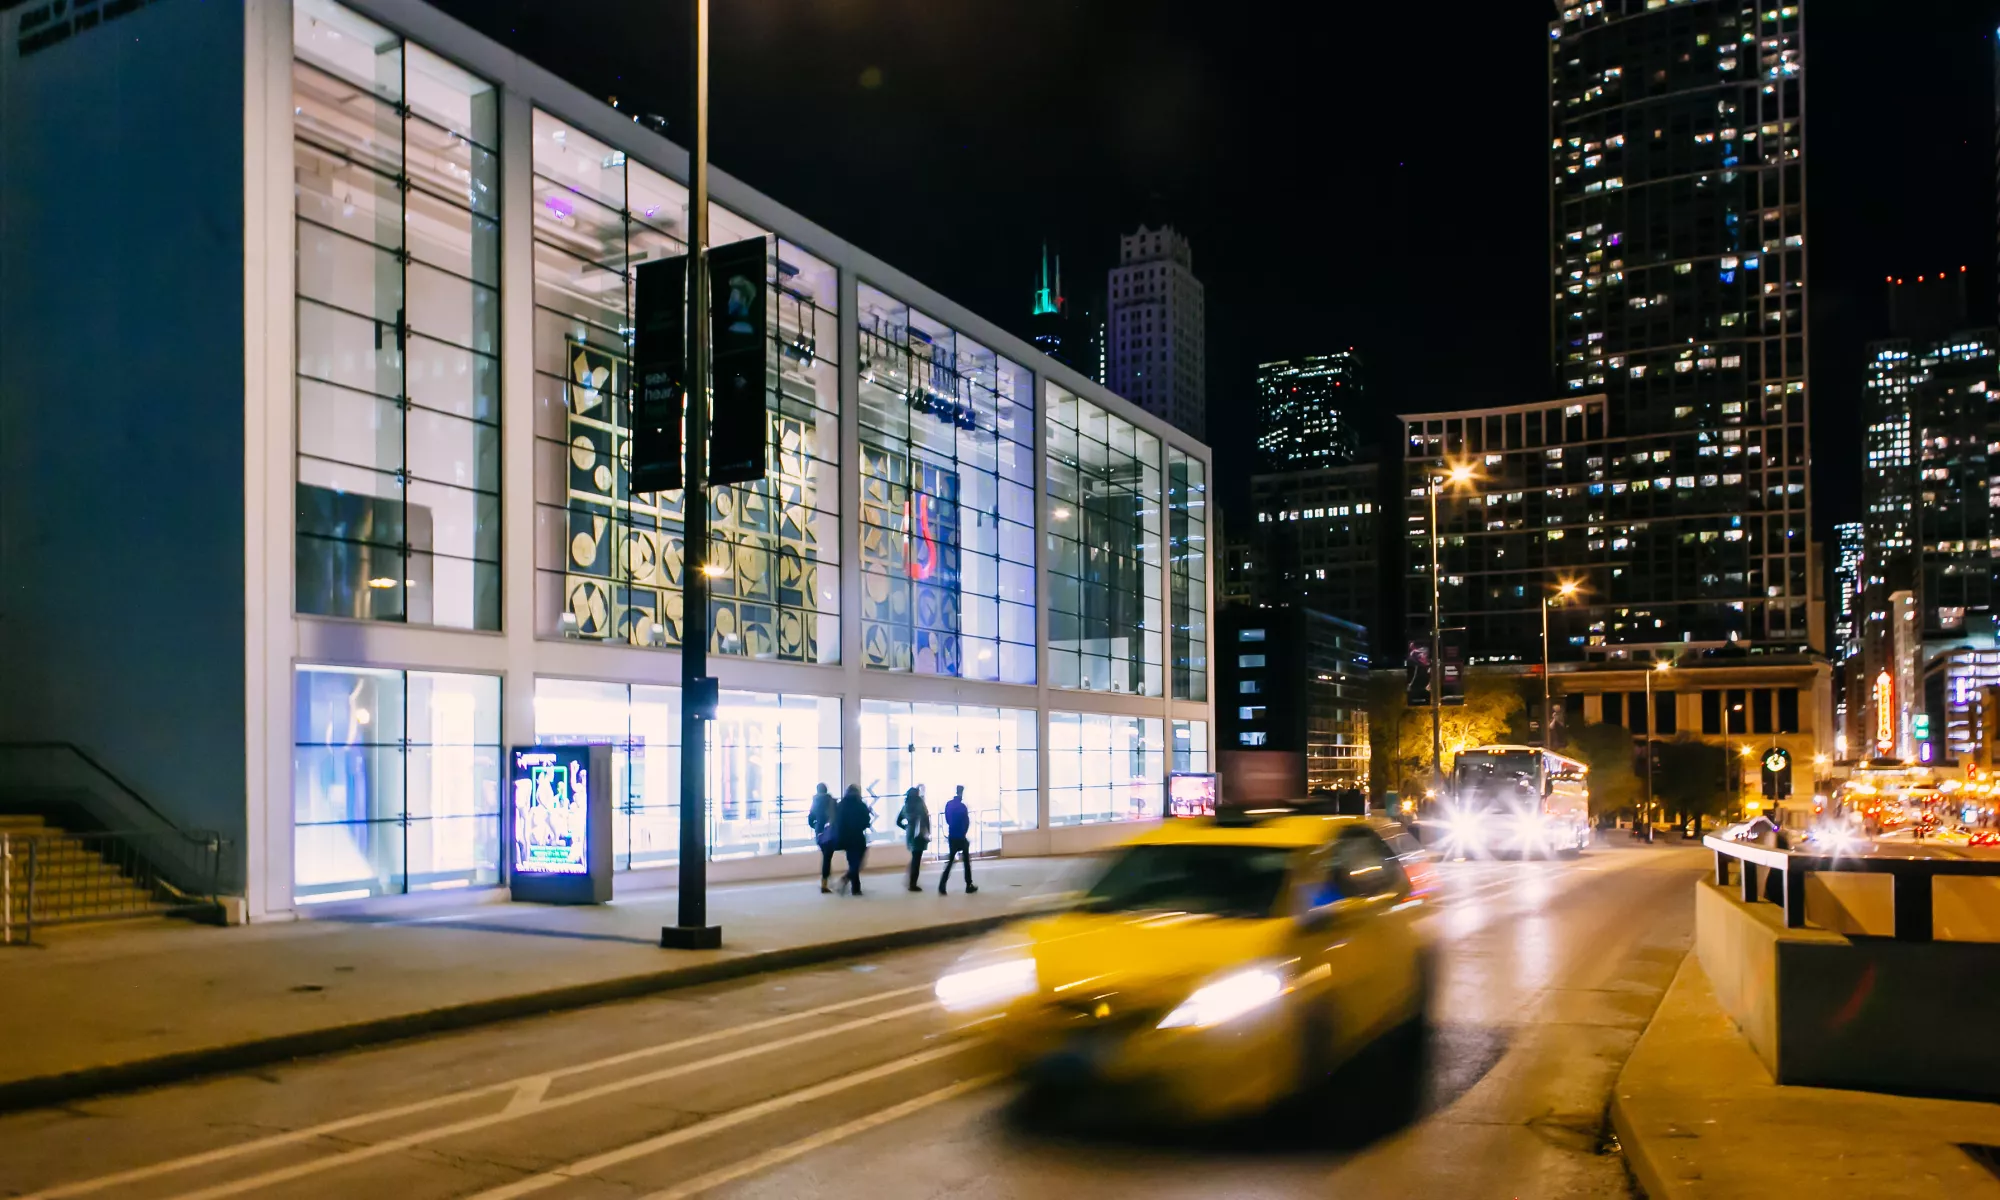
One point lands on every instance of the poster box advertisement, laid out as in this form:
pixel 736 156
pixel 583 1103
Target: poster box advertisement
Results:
pixel 1190 794
pixel 560 823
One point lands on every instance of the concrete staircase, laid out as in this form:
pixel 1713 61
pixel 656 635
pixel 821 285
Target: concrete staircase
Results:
pixel 73 879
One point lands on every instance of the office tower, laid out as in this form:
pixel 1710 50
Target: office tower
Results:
pixel 1677 141
pixel 1535 512
pixel 1849 686
pixel 1154 329
pixel 1313 541
pixel 1931 412
pixel 1295 690
pixel 1308 411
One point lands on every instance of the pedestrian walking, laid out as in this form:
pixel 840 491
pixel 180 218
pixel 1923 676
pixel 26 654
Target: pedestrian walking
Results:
pixel 957 831
pixel 851 818
pixel 820 817
pixel 915 822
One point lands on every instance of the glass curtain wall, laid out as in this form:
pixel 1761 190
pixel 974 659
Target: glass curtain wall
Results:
pixel 1187 571
pixel 1190 748
pixel 767 752
pixel 398 326
pixel 1104 549
pixel 395 782
pixel 609 561
pixel 941 747
pixel 947 500
pixel 1105 768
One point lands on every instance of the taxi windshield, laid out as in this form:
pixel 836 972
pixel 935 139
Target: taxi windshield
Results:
pixel 1221 881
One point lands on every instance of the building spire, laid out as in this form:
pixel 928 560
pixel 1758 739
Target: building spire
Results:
pixel 1045 301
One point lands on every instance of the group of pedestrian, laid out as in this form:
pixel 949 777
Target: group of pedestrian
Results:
pixel 842 825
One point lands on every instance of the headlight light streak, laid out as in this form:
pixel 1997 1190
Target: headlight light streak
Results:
pixel 987 985
pixel 1227 998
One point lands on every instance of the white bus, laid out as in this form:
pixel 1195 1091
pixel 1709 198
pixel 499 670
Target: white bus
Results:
pixel 1517 800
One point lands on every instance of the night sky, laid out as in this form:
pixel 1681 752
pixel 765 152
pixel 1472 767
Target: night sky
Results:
pixel 1372 177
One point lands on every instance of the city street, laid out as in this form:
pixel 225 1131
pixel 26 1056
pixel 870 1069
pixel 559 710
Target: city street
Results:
pixel 842 1081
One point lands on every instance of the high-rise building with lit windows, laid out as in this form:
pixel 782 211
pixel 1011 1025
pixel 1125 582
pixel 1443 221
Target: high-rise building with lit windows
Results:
pixel 1308 411
pixel 1678 287
pixel 1930 484
pixel 1849 562
pixel 1155 329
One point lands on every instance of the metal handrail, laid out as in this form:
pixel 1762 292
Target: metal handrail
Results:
pixel 1910 876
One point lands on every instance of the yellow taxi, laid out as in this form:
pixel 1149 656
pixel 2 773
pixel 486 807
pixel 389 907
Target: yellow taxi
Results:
pixel 1218 965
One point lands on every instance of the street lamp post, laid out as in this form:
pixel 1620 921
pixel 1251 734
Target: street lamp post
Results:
pixel 1651 726
pixel 1458 474
pixel 1567 588
pixel 694 932
pixel 1437 663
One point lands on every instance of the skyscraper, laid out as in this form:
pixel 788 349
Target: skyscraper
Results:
pixel 1677 141
pixel 1849 686
pixel 1154 330
pixel 1931 413
pixel 1308 411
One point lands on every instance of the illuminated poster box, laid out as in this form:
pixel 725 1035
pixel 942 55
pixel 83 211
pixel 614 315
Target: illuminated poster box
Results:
pixel 1190 794
pixel 559 824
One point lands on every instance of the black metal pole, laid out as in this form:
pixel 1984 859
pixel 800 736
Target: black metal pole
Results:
pixel 694 932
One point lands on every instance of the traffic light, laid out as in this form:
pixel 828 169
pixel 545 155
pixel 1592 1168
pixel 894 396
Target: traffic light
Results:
pixel 659 364
pixel 739 429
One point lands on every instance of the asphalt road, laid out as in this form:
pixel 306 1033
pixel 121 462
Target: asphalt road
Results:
pixel 842 1082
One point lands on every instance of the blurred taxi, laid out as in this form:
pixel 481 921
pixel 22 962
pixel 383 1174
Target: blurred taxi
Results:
pixel 1218 965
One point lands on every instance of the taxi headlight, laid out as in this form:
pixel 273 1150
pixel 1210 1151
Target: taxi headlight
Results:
pixel 1226 999
pixel 987 984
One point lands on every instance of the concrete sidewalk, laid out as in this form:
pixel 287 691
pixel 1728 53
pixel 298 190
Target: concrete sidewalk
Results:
pixel 95 1010
pixel 1700 1117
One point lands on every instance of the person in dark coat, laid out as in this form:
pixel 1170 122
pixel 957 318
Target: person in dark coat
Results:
pixel 851 819
pixel 915 822
pixel 820 817
pixel 958 832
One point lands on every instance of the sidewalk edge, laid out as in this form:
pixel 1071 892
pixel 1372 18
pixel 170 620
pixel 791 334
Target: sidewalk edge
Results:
pixel 180 1066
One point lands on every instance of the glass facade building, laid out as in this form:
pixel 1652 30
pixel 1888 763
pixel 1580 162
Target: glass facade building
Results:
pixel 414 525
pixel 1678 293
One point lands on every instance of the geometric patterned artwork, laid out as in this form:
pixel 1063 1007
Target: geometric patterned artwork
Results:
pixel 627 554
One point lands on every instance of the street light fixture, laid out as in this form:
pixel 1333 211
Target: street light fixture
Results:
pixel 1457 474
pixel 1564 590
pixel 1652 726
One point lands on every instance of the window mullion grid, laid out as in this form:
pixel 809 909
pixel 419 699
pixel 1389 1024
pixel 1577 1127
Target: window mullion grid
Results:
pixel 408 580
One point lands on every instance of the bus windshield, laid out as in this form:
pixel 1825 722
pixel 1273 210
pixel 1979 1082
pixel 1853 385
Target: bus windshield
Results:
pixel 1490 779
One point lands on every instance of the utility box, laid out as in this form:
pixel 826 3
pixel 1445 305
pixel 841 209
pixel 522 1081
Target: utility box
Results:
pixel 559 824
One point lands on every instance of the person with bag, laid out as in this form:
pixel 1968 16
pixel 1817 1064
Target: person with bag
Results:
pixel 820 817
pixel 957 829
pixel 851 819
pixel 915 822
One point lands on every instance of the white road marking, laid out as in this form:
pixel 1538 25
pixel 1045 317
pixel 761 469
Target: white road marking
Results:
pixel 512 1113
pixel 517 1086
pixel 805 1146
pixel 597 1162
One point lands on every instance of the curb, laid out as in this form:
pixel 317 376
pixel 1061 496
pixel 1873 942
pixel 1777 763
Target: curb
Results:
pixel 1640 1158
pixel 1645 1172
pixel 45 1090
